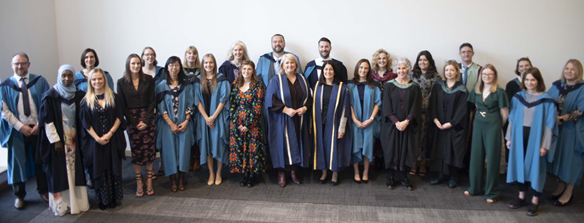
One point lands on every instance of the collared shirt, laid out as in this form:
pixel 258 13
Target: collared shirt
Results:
pixel 22 119
pixel 277 62
pixel 463 72
pixel 319 61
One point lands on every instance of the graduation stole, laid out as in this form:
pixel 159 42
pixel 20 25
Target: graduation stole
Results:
pixel 301 117
pixel 79 81
pixel 402 86
pixel 314 122
pixel 160 96
pixel 535 103
pixel 565 90
pixel 458 87
pixel 14 86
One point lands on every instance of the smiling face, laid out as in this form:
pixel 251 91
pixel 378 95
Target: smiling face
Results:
pixel 450 73
pixel 173 70
pixel 523 66
pixel 570 72
pixel 423 63
pixel 89 60
pixel 402 70
pixel 247 71
pixel 328 72
pixel 530 83
pixel 290 67
pixel 324 49
pixel 488 76
pixel 208 65
pixel 67 78
pixel 278 44
pixel 98 81
pixel 466 53
pixel 20 65
pixel 192 56
pixel 135 65
pixel 149 57
pixel 382 60
pixel 237 52
pixel 363 70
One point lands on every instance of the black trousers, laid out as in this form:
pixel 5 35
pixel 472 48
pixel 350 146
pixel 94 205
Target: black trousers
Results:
pixel 41 178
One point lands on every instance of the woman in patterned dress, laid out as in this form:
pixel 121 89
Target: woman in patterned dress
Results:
pixel 246 148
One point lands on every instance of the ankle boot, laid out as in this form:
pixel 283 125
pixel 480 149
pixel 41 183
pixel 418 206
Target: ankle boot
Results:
pixel 173 186
pixel 294 178
pixel 181 179
pixel 281 178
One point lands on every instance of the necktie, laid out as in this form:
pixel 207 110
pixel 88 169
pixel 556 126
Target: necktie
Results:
pixel 25 98
pixel 465 74
pixel 277 66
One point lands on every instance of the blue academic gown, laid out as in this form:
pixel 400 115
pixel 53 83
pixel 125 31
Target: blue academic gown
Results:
pixel 284 148
pixel 159 75
pixel 21 164
pixel 214 141
pixel 364 139
pixel 81 81
pixel 568 163
pixel 530 167
pixel 265 67
pixel 175 148
pixel 311 72
pixel 330 152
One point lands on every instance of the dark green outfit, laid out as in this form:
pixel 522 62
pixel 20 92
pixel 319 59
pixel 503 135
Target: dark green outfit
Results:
pixel 486 140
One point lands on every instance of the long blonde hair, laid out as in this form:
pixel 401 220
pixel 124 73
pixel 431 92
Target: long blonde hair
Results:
pixel 204 74
pixel 195 51
pixel 481 85
pixel 245 56
pixel 90 95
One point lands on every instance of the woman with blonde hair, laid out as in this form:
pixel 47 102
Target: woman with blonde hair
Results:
pixel 492 110
pixel 236 55
pixel 104 144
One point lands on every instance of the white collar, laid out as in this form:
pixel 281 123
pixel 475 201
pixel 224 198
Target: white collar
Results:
pixel 17 77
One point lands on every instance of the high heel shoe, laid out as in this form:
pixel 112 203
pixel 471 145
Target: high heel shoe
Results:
pixel 173 186
pixel 139 185
pixel 555 197
pixel 150 175
pixel 560 204
pixel 211 179
pixel 218 179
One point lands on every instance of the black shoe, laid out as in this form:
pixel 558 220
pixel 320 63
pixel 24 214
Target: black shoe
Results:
pixel 245 180
pixel 452 184
pixel 113 204
pixel 533 210
pixel 365 181
pixel 555 197
pixel 560 204
pixel 357 181
pixel 437 180
pixel 102 206
pixel 517 203
pixel 407 184
pixel 250 181
pixel 390 183
pixel 335 183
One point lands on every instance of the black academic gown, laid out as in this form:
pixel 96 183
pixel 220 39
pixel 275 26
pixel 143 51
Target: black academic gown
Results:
pixel 227 69
pixel 54 163
pixel 399 103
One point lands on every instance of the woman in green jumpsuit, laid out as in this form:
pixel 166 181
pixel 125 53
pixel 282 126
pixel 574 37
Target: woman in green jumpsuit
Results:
pixel 491 112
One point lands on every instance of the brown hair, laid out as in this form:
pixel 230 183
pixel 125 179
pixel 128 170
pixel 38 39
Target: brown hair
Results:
pixel 456 67
pixel 577 66
pixel 368 79
pixel 537 75
pixel 254 78
pixel 481 85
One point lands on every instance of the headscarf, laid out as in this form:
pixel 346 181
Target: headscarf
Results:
pixel 64 91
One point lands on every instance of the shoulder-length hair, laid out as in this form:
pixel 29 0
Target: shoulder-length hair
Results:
pixel 254 78
pixel 153 52
pixel 519 61
pixel 481 85
pixel 128 73
pixel 181 73
pixel 417 71
pixel 577 66
pixel 403 60
pixel 456 67
pixel 230 56
pixel 375 59
pixel 285 58
pixel 204 74
pixel 537 75
pixel 90 95
pixel 83 57
pixel 322 79
pixel 193 50
pixel 368 79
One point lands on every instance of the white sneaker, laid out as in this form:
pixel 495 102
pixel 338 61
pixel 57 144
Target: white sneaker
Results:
pixel 19 203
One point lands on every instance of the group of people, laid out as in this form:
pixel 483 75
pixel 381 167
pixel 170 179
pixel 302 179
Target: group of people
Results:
pixel 407 120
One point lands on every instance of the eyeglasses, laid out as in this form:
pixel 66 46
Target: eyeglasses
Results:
pixel 149 55
pixel 20 64
pixel 174 65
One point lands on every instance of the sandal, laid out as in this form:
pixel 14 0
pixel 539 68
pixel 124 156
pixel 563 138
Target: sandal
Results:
pixel 413 171
pixel 468 194
pixel 150 175
pixel 493 200
pixel 422 171
pixel 139 185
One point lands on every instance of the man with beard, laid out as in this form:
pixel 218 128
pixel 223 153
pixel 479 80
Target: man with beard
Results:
pixel 269 63
pixel 314 67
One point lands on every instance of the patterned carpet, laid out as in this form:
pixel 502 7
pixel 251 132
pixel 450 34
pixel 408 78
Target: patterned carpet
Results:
pixel 309 202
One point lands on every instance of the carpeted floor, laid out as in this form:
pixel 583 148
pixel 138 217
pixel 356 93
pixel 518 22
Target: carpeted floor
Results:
pixel 309 202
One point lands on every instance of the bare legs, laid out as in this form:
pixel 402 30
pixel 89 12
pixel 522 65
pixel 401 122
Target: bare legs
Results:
pixel 357 177
pixel 214 179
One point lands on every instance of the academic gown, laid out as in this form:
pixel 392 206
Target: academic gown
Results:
pixel 448 147
pixel 400 102
pixel 330 152
pixel 20 163
pixel 227 69
pixel 159 75
pixel 284 148
pixel 101 158
pixel 265 67
pixel 312 76
pixel 568 163
pixel 364 139
pixel 175 147
pixel 530 166
pixel 55 164
pixel 214 141
pixel 80 81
